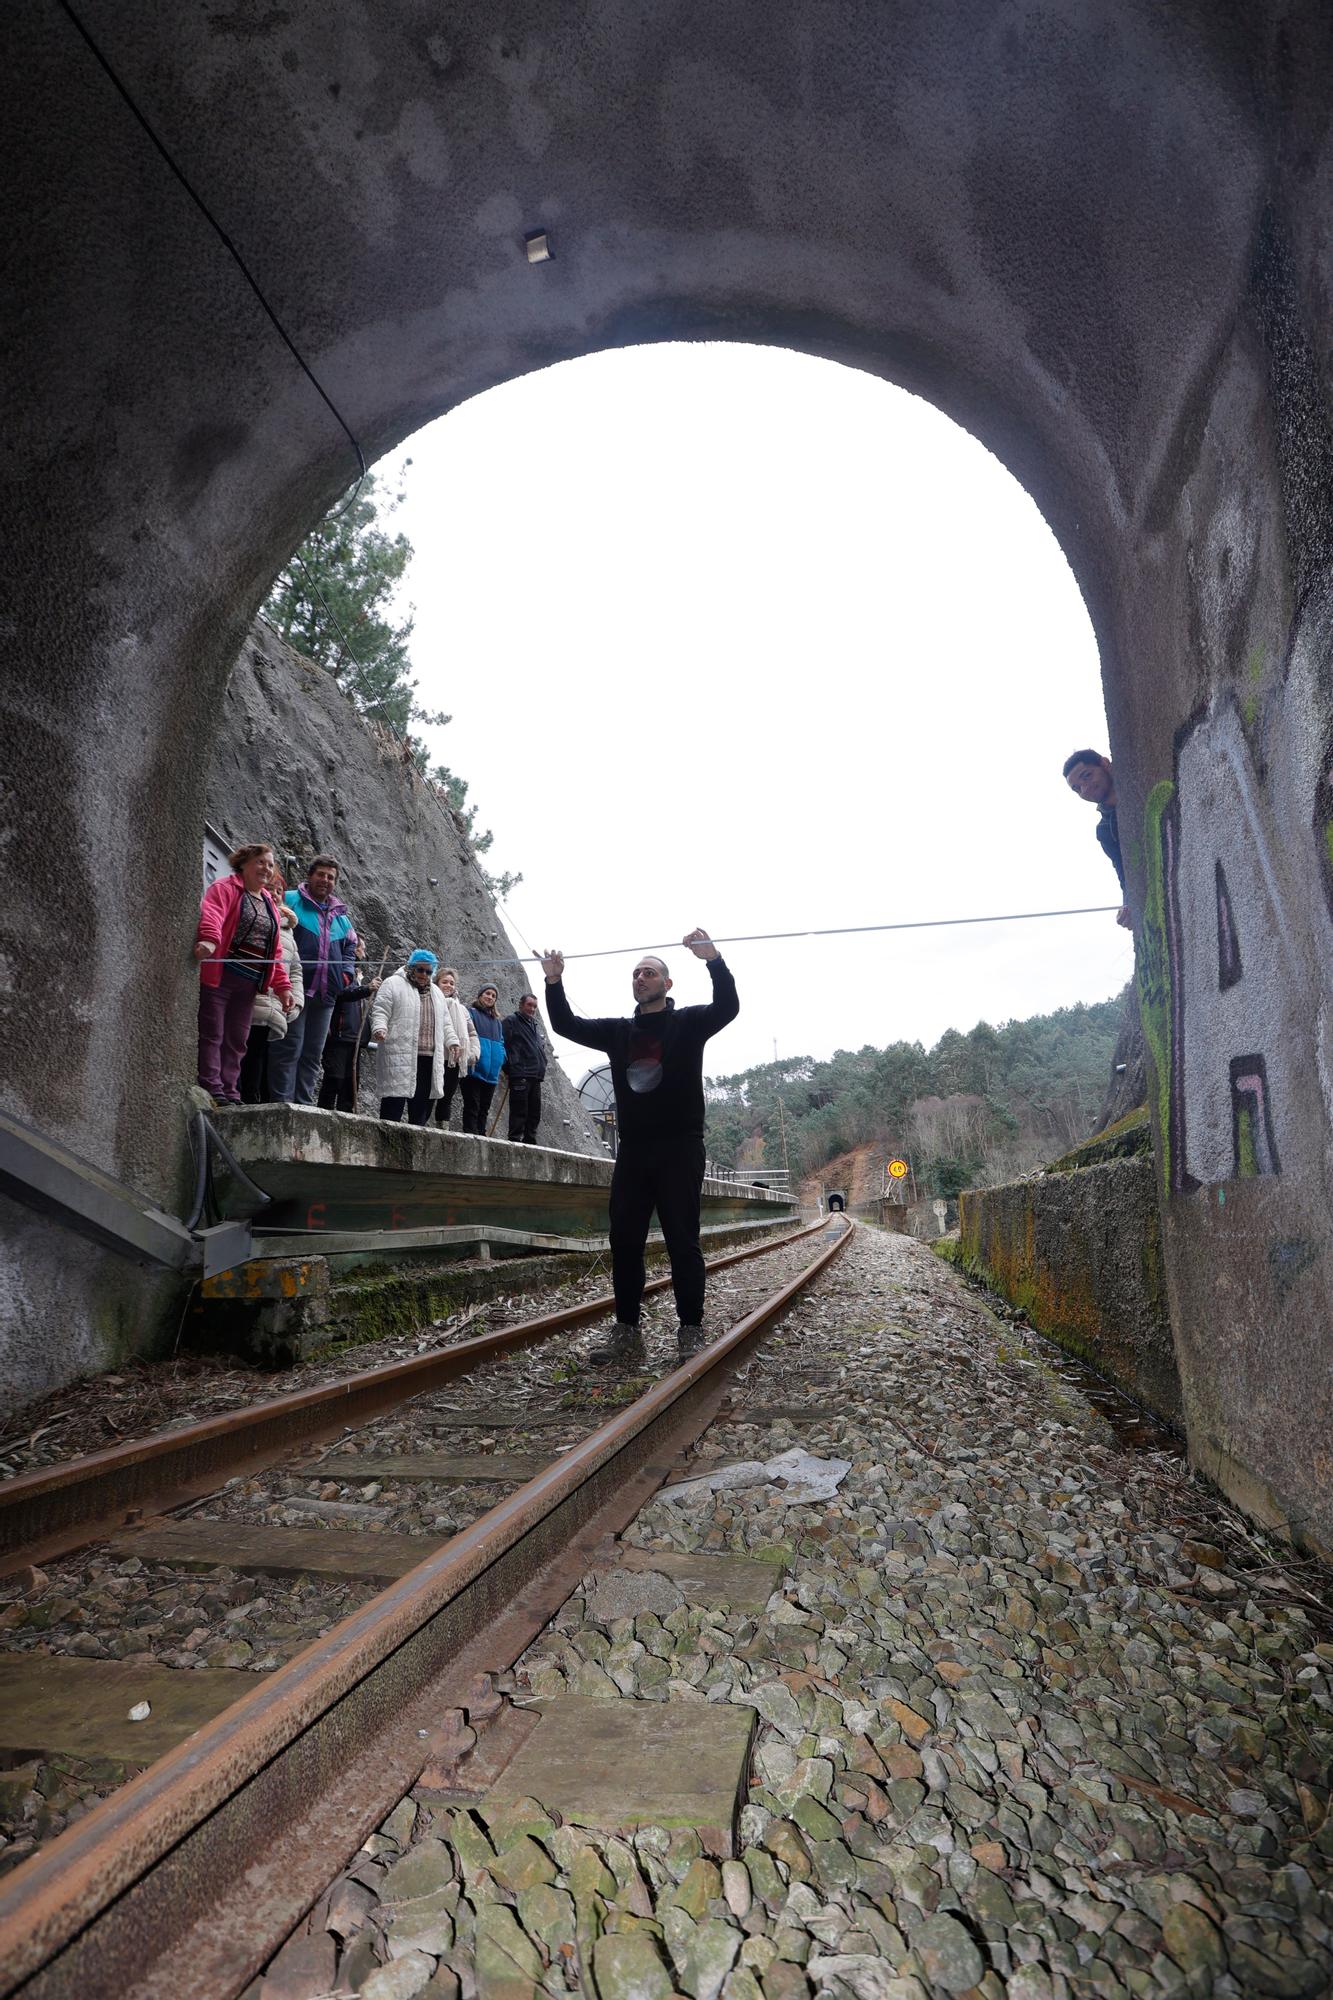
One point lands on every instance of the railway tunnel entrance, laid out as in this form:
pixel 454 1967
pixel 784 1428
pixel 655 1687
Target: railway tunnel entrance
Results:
pixel 1096 244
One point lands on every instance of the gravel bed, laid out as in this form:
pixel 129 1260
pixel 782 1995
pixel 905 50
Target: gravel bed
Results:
pixel 1032 1719
pixel 149 1398
pixel 95 1607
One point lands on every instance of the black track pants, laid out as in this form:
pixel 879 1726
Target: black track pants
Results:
pixel 665 1175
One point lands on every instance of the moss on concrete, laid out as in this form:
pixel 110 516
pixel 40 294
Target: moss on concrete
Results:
pixel 1080 1253
pixel 1130 1138
pixel 1153 968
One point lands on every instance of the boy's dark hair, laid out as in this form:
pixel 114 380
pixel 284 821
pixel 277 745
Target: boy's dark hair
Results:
pixel 1078 757
pixel 323 861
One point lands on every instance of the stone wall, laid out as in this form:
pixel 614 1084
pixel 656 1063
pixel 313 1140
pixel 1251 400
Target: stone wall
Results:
pixel 1081 1253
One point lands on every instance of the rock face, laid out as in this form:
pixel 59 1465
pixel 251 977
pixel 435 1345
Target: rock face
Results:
pixel 294 762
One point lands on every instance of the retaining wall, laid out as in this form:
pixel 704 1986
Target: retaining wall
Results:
pixel 1080 1252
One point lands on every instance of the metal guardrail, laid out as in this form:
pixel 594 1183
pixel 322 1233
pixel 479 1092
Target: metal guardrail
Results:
pixel 52 1180
pixel 777 1178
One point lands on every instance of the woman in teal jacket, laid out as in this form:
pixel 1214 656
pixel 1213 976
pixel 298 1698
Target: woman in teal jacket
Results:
pixel 478 1086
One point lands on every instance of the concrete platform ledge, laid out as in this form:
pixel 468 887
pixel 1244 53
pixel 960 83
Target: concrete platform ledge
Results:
pixel 326 1170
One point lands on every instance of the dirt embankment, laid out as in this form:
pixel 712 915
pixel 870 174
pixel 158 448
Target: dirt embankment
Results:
pixel 859 1175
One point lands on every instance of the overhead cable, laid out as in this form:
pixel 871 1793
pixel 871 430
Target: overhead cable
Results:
pixel 836 930
pixel 771 937
pixel 226 242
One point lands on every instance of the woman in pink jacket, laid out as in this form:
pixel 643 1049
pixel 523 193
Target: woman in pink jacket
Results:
pixel 239 949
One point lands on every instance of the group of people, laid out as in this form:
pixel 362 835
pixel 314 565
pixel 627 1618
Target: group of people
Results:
pixel 429 1046
pixel 288 1015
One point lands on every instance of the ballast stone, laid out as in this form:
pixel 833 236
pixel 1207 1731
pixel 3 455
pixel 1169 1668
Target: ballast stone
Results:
pixel 624 1593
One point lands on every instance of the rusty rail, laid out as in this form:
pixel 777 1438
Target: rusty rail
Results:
pixel 60 1507
pixel 184 1882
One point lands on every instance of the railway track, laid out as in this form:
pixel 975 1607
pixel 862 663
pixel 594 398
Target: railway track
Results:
pixel 184 1880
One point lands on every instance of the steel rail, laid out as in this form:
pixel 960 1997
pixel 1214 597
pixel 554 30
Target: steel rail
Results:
pixel 184 1882
pixel 48 1512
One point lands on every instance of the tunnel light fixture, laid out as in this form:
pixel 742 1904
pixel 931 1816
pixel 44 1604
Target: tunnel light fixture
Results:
pixel 538 246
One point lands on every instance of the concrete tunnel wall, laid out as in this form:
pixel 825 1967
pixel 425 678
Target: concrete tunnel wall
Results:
pixel 1095 236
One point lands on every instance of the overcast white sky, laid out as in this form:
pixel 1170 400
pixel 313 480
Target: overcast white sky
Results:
pixel 735 637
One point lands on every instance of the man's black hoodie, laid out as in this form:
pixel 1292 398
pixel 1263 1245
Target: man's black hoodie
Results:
pixel 657 1060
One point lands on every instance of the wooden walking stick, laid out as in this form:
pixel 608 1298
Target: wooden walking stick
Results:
pixel 504 1095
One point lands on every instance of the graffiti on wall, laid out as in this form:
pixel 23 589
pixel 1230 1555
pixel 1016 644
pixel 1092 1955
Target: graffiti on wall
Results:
pixel 1236 958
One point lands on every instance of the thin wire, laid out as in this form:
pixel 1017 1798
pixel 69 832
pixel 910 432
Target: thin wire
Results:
pixel 227 245
pixel 507 919
pixel 837 930
pixel 762 937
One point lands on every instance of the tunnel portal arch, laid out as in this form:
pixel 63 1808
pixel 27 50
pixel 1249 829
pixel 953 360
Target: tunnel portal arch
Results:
pixel 1093 238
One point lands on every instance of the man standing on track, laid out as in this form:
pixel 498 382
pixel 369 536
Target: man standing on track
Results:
pixel 657 1069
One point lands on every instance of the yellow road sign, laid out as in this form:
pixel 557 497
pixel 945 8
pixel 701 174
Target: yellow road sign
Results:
pixel 898 1169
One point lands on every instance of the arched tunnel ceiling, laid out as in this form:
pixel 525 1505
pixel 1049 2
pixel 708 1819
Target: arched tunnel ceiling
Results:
pixel 948 196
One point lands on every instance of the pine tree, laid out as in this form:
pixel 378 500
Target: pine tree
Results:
pixel 333 602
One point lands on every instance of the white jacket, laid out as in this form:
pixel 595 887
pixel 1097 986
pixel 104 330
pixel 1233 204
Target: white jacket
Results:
pixel 466 1030
pixel 397 1009
pixel 268 1008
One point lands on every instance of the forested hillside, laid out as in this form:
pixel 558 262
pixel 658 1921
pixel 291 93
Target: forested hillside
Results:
pixel 977 1108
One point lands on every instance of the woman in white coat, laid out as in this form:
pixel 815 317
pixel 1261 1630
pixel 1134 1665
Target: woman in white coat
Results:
pixel 412 1030
pixel 457 1062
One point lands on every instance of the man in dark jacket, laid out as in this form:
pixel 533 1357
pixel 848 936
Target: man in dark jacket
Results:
pixel 1089 774
pixel 657 1070
pixel 525 1066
